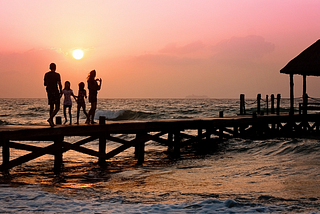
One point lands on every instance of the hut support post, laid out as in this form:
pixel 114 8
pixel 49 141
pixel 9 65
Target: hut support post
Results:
pixel 58 155
pixel 291 95
pixel 305 96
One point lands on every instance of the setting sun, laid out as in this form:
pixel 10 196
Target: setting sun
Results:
pixel 77 54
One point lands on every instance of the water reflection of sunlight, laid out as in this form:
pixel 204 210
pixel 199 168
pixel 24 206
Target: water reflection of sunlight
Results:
pixel 80 185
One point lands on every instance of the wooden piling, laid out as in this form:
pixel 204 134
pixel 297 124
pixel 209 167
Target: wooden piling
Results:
pixel 170 142
pixel 208 134
pixel 242 105
pixel 200 134
pixel 272 103
pixel 267 104
pixel 5 152
pixel 220 132
pixel 220 114
pixel 258 103
pixel 140 150
pixel 58 154
pixel 102 141
pixel 58 120
pixel 176 146
pixel 278 103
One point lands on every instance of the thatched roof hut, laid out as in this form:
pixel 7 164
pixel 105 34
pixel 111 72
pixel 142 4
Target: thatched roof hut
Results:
pixel 307 63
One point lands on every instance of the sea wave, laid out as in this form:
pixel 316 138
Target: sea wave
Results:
pixel 3 122
pixel 124 114
pixel 32 200
pixel 276 147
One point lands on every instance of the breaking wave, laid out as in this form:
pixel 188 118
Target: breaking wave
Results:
pixel 124 115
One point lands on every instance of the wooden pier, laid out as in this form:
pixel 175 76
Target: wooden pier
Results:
pixel 170 132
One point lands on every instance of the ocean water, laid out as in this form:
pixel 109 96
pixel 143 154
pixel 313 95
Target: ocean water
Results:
pixel 278 175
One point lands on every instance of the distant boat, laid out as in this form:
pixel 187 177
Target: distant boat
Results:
pixel 196 96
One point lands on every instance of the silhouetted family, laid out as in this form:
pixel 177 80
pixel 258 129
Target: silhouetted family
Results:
pixel 52 81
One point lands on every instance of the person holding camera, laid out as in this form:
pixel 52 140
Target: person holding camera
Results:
pixel 94 85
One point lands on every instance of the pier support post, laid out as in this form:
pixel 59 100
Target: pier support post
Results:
pixel 177 140
pixel 58 120
pixel 170 142
pixel 220 114
pixel 102 120
pixel 242 105
pixel 102 141
pixel 140 150
pixel 258 103
pixel 200 134
pixel 267 104
pixel 58 154
pixel 220 132
pixel 235 131
pixel 5 153
pixel 278 103
pixel 272 103
pixel 208 134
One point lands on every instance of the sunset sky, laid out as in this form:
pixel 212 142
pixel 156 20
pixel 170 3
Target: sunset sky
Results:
pixel 157 48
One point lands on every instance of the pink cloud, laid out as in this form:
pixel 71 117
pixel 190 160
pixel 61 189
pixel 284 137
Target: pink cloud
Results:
pixel 173 48
pixel 167 60
pixel 242 48
pixel 29 61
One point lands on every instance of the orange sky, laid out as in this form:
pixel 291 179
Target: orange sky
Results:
pixel 158 48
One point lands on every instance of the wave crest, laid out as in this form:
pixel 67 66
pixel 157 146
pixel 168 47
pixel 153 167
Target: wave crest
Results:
pixel 123 114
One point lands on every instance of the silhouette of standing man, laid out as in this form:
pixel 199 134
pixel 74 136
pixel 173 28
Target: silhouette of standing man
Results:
pixel 52 80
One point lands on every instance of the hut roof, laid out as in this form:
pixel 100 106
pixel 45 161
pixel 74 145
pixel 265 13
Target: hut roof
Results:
pixel 306 63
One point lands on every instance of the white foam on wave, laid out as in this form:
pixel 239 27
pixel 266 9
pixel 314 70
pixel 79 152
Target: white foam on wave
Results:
pixel 109 114
pixel 33 200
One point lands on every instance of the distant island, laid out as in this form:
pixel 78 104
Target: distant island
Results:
pixel 196 96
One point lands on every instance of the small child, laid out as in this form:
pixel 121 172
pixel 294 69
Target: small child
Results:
pixel 67 103
pixel 82 93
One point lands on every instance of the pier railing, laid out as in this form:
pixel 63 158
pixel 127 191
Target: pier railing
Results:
pixel 273 109
pixel 275 103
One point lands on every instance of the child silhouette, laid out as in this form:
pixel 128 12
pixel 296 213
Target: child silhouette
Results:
pixel 82 93
pixel 67 103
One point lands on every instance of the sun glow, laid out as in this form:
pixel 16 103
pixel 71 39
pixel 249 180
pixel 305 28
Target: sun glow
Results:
pixel 77 54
